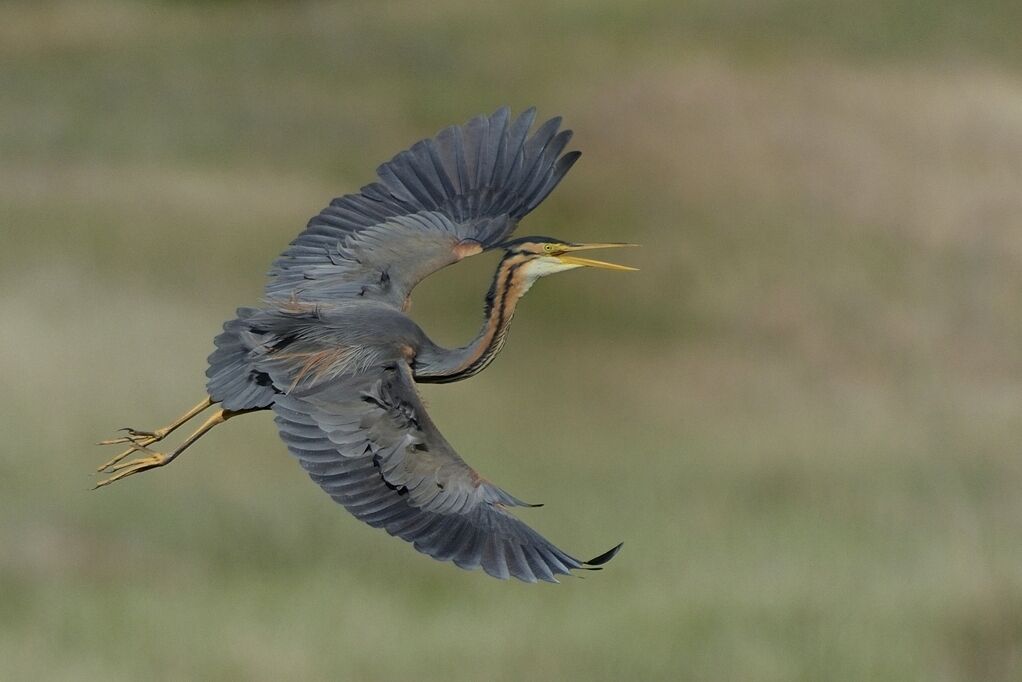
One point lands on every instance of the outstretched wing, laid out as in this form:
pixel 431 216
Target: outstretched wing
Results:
pixel 443 199
pixel 368 442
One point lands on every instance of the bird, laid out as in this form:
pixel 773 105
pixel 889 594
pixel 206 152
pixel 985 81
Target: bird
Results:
pixel 332 352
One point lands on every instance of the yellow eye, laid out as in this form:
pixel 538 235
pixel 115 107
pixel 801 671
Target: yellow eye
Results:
pixel 548 247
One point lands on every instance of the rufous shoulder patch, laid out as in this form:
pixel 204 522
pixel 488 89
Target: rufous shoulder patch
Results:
pixel 467 248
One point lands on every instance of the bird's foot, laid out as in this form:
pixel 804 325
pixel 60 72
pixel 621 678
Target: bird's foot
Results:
pixel 121 470
pixel 136 435
pixel 136 440
pixel 139 441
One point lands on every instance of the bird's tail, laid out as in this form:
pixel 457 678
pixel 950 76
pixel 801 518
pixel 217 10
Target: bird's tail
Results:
pixel 233 378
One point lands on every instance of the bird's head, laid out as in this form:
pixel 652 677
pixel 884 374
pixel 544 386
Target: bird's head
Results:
pixel 542 256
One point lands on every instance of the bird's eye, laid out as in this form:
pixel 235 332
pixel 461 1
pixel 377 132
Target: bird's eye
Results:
pixel 548 247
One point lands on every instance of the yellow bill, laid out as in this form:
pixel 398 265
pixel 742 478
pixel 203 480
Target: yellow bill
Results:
pixel 589 262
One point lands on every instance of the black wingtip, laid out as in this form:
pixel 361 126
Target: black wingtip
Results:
pixel 605 557
pixel 568 160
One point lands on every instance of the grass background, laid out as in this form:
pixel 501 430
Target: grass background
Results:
pixel 801 416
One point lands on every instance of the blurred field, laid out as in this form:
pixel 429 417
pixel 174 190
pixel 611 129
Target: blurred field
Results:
pixel 802 416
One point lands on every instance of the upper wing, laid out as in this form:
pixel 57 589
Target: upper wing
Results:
pixel 442 199
pixel 368 442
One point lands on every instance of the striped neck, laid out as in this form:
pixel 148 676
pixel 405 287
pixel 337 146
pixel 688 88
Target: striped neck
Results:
pixel 509 285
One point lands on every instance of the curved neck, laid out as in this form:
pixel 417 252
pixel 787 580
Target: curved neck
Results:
pixel 440 365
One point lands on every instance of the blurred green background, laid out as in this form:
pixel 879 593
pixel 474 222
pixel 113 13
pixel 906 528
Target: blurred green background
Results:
pixel 801 416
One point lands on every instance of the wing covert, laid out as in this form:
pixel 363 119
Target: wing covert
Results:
pixel 442 199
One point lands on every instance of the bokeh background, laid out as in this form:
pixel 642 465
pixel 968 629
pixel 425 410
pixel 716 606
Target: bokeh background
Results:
pixel 802 416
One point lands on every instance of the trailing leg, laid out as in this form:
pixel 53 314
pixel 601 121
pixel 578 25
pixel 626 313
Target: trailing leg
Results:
pixel 153 459
pixel 146 438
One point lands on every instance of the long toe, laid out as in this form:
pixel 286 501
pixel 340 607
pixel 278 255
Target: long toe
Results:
pixel 133 467
pixel 134 436
pixel 135 447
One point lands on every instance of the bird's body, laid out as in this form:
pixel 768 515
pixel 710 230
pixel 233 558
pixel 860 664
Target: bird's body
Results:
pixel 334 355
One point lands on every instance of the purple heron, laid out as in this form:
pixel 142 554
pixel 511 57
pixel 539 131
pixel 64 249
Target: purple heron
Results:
pixel 333 354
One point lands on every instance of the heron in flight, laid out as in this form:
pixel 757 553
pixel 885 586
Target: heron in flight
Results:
pixel 334 355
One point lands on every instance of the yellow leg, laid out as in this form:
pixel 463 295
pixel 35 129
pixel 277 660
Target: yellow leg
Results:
pixel 146 438
pixel 159 459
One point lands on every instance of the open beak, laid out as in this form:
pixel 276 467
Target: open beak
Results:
pixel 589 262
